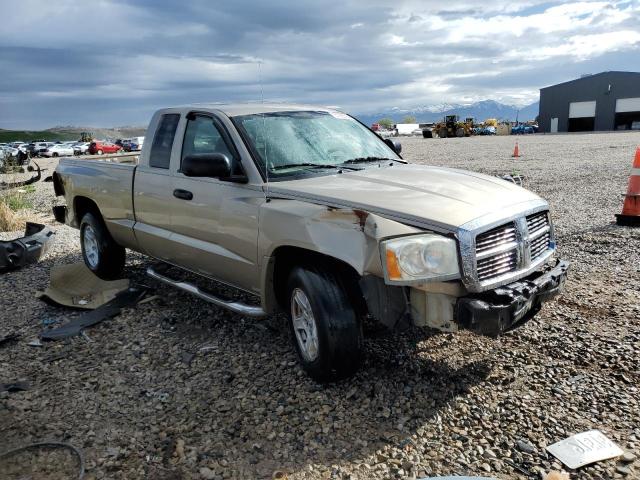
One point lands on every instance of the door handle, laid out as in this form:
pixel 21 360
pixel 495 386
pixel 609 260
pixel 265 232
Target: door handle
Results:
pixel 183 194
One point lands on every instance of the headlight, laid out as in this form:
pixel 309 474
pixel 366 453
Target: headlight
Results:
pixel 420 258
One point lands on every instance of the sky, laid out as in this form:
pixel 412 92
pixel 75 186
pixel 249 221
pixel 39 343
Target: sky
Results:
pixel 113 62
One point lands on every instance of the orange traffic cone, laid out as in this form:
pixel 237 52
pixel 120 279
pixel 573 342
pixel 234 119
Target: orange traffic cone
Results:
pixel 516 151
pixel 630 215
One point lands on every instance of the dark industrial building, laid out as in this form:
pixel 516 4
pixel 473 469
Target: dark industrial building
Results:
pixel 604 101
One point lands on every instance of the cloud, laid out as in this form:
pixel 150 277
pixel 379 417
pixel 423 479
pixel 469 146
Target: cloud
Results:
pixel 112 62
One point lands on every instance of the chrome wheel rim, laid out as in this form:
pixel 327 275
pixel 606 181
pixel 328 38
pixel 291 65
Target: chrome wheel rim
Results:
pixel 304 325
pixel 90 242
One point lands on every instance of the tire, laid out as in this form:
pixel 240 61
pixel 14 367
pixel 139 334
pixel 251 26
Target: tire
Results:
pixel 101 254
pixel 442 133
pixel 460 132
pixel 338 333
pixel 54 154
pixel 99 152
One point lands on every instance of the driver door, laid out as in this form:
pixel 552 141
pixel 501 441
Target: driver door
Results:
pixel 215 222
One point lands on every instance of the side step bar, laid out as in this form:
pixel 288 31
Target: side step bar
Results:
pixel 236 307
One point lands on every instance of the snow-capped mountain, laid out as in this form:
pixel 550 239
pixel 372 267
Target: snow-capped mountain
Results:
pixel 480 111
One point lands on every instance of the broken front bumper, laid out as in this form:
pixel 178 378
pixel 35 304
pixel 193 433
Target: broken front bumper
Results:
pixel 28 249
pixel 494 312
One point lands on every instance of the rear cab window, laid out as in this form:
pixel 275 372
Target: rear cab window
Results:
pixel 160 156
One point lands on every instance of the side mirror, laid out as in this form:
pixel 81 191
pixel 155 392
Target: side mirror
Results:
pixel 210 165
pixel 394 145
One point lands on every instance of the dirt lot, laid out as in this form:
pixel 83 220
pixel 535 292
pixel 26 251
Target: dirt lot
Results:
pixel 142 398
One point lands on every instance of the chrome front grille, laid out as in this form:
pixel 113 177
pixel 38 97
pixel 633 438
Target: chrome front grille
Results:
pixel 512 247
pixel 497 265
pixel 487 241
pixel 539 233
pixel 497 251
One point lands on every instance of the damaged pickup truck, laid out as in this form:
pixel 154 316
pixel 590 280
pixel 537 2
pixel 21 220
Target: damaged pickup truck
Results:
pixel 312 213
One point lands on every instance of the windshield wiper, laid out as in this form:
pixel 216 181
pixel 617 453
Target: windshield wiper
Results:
pixel 310 165
pixel 303 164
pixel 373 159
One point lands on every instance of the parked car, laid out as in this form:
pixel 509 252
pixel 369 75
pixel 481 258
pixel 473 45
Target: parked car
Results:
pixel 100 147
pixel 81 148
pixel 57 150
pixel 132 144
pixel 9 150
pixel 522 129
pixel 332 227
pixel 37 147
pixel 488 130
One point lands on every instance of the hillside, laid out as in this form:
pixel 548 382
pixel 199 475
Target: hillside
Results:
pixel 433 113
pixel 69 133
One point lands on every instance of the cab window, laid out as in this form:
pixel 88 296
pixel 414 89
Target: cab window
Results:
pixel 163 141
pixel 202 135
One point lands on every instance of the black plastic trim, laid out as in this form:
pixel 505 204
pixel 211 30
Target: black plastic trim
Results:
pixel 497 311
pixel 25 250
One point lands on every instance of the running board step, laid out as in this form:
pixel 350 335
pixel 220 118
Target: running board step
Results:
pixel 236 307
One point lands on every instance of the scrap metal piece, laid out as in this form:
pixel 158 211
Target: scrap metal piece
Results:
pixel 8 338
pixel 14 387
pixel 110 309
pixel 25 250
pixel 584 448
pixel 517 179
pixel 76 286
pixel 23 183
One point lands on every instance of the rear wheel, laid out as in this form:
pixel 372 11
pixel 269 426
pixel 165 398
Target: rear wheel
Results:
pixel 324 325
pixel 101 254
pixel 55 154
pixel 99 152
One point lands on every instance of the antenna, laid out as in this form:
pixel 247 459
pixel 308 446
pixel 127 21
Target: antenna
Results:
pixel 264 134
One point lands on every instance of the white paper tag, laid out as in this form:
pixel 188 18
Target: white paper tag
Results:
pixel 584 448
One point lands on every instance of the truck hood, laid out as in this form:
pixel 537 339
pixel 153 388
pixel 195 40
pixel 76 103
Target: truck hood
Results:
pixel 429 196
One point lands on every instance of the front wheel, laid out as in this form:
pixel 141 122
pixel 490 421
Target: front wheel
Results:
pixel 101 254
pixel 324 325
pixel 99 152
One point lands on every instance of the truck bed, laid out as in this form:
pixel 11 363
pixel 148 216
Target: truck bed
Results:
pixel 106 180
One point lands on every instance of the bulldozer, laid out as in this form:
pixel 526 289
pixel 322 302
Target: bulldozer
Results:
pixel 453 127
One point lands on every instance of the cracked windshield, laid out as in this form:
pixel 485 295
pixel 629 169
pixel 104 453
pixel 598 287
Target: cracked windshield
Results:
pixel 290 142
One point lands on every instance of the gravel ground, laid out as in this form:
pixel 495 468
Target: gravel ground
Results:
pixel 178 389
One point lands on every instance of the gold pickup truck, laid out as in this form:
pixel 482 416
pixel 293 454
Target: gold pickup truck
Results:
pixel 314 214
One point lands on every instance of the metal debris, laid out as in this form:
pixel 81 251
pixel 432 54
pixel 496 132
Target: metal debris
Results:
pixel 76 286
pixel 108 310
pixel 23 183
pixel 25 250
pixel 14 387
pixel 517 179
pixel 584 448
pixel 8 338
